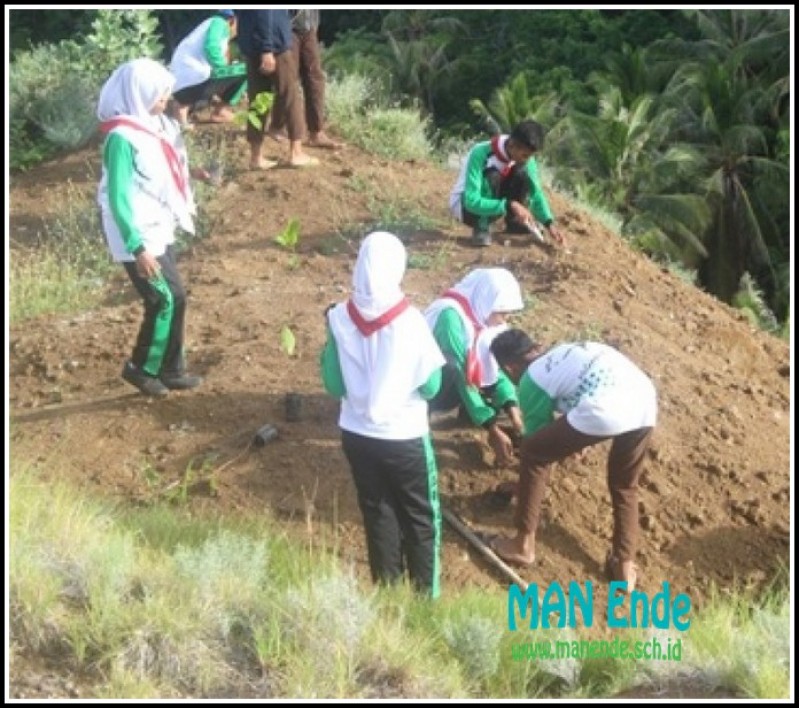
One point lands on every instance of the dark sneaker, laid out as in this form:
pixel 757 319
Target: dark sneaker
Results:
pixel 481 238
pixel 148 385
pixel 181 382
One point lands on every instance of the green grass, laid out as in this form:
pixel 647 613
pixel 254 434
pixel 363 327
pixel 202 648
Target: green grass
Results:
pixel 63 272
pixel 160 602
pixel 361 114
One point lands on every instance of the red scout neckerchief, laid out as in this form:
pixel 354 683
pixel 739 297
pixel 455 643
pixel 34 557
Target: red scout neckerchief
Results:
pixel 473 369
pixel 368 327
pixel 173 161
pixel 499 153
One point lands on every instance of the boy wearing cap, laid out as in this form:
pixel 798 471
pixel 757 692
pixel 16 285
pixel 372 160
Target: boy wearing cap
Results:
pixel 602 395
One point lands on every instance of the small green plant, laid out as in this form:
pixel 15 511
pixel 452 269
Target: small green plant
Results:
pixel 151 476
pixel 290 236
pixel 256 112
pixel 196 477
pixel 288 341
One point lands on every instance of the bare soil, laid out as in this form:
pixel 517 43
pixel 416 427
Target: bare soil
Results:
pixel 715 494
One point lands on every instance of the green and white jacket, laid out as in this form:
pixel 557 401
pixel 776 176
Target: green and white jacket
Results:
pixel 473 191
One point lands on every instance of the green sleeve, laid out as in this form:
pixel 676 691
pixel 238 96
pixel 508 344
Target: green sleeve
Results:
pixel 118 159
pixel 431 387
pixel 478 197
pixel 449 335
pixel 505 392
pixel 537 407
pixel 331 369
pixel 217 37
pixel 538 204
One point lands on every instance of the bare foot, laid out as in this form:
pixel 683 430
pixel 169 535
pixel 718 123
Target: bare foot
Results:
pixel 263 164
pixel 621 571
pixel 509 551
pixel 224 115
pixel 303 161
pixel 320 140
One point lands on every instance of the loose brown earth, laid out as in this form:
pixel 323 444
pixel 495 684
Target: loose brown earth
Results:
pixel 715 495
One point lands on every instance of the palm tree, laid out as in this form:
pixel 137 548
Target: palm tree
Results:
pixel 414 25
pixel 417 68
pixel 719 118
pixel 732 100
pixel 418 40
pixel 512 103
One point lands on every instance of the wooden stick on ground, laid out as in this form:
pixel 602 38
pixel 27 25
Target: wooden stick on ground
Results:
pixel 484 550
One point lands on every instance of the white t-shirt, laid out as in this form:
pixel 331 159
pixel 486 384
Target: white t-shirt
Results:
pixel 598 388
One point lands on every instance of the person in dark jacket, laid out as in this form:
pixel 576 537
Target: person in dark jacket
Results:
pixel 265 40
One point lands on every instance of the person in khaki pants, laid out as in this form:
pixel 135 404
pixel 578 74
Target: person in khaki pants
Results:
pixel 265 38
pixel 305 47
pixel 602 395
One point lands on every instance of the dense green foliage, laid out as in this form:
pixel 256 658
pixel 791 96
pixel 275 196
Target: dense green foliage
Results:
pixel 676 120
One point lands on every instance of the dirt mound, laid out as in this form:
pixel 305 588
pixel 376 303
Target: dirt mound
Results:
pixel 715 495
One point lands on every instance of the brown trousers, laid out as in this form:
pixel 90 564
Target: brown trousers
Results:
pixel 305 47
pixel 559 440
pixel 283 82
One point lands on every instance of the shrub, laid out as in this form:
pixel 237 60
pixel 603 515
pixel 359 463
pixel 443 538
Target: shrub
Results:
pixel 358 108
pixel 53 88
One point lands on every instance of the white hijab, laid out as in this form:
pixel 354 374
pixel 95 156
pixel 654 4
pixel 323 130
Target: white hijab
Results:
pixel 487 290
pixel 383 370
pixel 379 270
pixel 130 93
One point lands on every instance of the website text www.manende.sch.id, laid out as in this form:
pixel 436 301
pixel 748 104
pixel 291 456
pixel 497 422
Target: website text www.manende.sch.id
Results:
pixel 643 650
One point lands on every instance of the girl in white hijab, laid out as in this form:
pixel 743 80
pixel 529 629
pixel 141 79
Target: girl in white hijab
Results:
pixel 381 360
pixel 144 194
pixel 464 321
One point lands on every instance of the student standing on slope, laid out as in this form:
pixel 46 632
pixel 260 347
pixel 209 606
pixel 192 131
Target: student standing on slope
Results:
pixel 382 362
pixel 144 195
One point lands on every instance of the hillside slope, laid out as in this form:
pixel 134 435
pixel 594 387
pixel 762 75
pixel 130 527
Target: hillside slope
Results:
pixel 715 495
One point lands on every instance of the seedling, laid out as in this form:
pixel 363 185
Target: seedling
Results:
pixel 289 237
pixel 288 342
pixel 257 110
